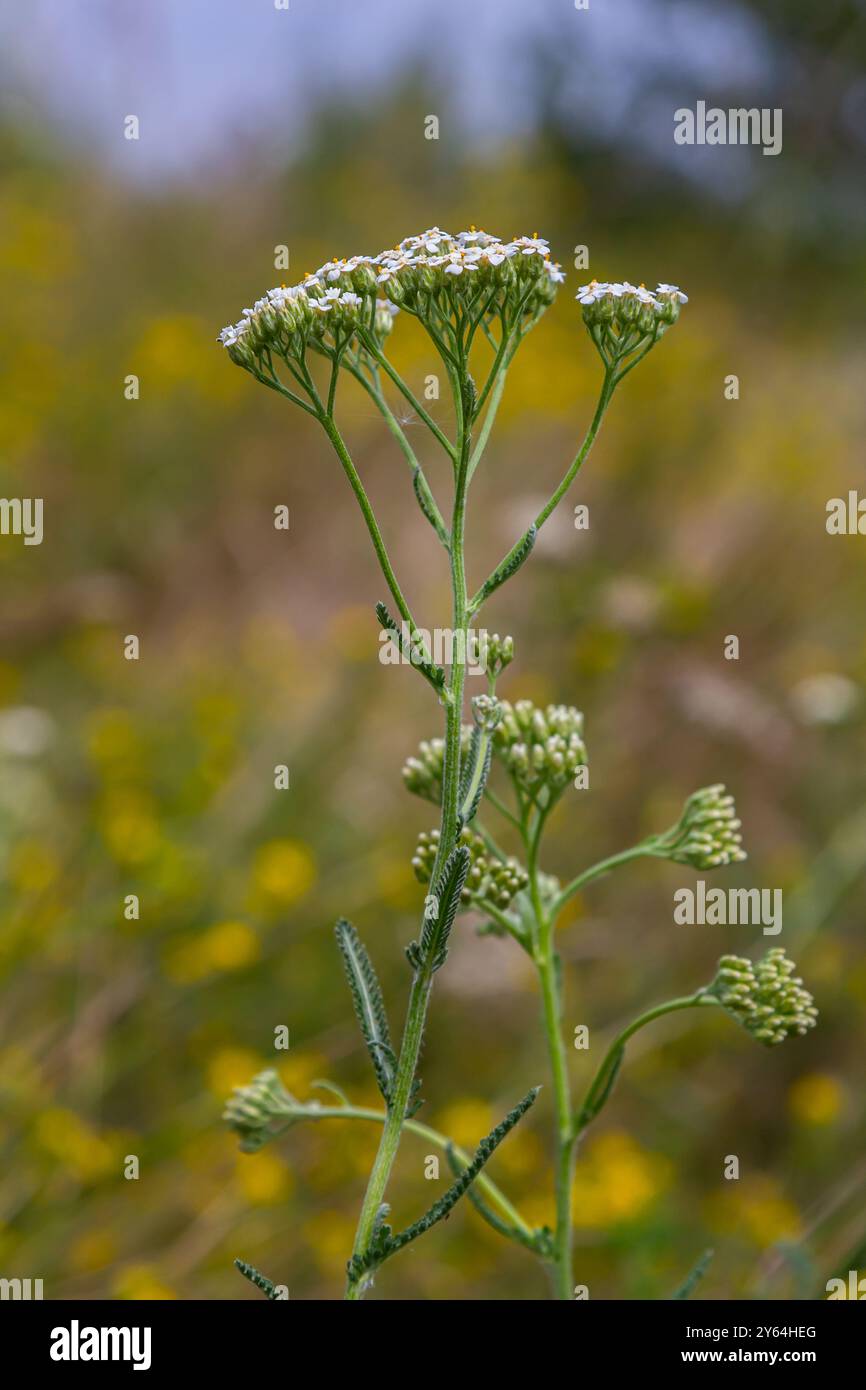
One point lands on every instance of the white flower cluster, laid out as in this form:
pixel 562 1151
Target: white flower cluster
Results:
pixel 622 317
pixel 707 835
pixel 766 997
pixel 429 275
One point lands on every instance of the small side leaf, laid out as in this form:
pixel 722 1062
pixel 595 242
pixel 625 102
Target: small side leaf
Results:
pixel 510 565
pixel 260 1280
pixel 385 1244
pixel 694 1277
pixel 439 913
pixel 475 774
pixel 369 1004
pixel 539 1241
pixel 431 672
pixel 427 502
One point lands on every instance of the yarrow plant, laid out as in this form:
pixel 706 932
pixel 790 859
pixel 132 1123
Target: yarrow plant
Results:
pixel 477 297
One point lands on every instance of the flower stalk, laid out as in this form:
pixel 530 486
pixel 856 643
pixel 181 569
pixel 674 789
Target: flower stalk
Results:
pixel 475 293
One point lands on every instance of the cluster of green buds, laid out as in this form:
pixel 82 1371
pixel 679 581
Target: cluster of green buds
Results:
pixel 766 997
pixel 490 880
pixel 542 749
pixel 490 653
pixel 252 1110
pixel 422 773
pixel 623 318
pixel 707 834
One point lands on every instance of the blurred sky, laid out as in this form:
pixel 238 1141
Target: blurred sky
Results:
pixel 210 78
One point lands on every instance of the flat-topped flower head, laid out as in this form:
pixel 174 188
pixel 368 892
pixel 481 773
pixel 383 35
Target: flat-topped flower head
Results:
pixel 626 320
pixel 766 997
pixel 489 880
pixel 252 1110
pixel 707 834
pixel 541 749
pixel 442 279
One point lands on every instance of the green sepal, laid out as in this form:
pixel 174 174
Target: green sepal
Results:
pixel 369 1004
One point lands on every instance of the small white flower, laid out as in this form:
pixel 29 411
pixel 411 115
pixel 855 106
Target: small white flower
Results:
pixel 674 291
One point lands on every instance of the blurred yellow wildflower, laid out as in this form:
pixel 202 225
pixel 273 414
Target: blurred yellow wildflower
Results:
pixel 284 871
pixel 224 947
pixel 816 1099
pixel 264 1178
pixel 142 1281
pixel 617 1181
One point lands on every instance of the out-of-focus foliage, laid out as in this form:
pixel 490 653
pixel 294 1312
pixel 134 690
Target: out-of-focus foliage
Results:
pixel 123 1036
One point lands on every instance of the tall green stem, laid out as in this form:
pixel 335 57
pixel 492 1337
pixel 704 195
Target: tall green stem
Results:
pixel 549 975
pixel 422 983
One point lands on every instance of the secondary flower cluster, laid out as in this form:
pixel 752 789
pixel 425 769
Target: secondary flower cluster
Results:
pixel 622 317
pixel 489 880
pixel 766 997
pixel 707 834
pixel 251 1109
pixel 473 272
pixel 422 773
pixel 540 748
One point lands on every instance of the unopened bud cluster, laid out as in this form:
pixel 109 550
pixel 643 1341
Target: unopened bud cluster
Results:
pixel 486 712
pixel 541 748
pixel 251 1109
pixel 622 317
pixel 489 880
pixel 422 773
pixel 766 997
pixel 490 652
pixel 707 835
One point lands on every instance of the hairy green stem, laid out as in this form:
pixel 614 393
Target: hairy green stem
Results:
pixel 422 983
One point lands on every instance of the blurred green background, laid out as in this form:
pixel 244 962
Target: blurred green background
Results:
pixel 260 647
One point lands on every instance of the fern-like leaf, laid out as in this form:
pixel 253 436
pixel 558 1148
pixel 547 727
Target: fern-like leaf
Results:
pixel 539 1241
pixel 385 1244
pixel 260 1280
pixel 510 565
pixel 480 752
pixel 369 1004
pixel 431 672
pixel 442 904
pixel 427 502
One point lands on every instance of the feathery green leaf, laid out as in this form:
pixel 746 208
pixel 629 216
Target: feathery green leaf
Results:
pixel 439 913
pixel 427 503
pixel 431 672
pixel 369 1004
pixel 384 1244
pixel 260 1280
pixel 475 773
pixel 510 565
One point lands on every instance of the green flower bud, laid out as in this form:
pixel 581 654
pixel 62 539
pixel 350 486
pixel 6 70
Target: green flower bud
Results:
pixel 422 774
pixel 766 997
pixel 541 749
pixel 707 834
pixel 252 1109
pixel 489 881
